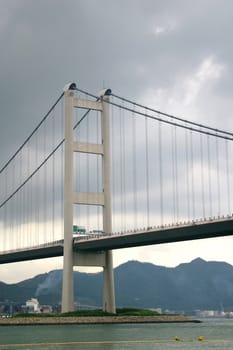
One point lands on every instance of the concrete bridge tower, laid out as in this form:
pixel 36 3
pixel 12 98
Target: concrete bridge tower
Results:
pixel 72 258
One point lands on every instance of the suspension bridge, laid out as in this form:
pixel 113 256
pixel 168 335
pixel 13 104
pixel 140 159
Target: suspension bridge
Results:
pixel 124 174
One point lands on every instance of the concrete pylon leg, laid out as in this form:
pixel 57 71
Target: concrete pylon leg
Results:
pixel 109 290
pixel 67 287
pixel 68 282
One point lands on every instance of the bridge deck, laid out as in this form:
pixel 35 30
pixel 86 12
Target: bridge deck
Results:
pixel 200 230
pixel 194 231
pixel 34 253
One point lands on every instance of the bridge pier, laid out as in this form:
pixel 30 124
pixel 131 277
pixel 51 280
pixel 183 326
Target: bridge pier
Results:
pixel 68 281
pixel 109 290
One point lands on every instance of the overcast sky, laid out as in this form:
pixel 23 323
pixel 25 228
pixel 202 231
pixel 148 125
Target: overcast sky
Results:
pixel 174 55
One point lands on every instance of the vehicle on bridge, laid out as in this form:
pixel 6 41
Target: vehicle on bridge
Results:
pixel 78 230
pixel 81 231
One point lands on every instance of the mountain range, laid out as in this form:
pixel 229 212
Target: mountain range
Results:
pixel 189 286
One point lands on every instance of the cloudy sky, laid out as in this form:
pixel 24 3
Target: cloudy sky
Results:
pixel 176 56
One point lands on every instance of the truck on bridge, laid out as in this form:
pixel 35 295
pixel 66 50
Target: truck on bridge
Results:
pixel 79 230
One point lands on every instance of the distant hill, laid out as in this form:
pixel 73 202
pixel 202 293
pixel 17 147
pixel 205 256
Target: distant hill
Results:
pixel 195 285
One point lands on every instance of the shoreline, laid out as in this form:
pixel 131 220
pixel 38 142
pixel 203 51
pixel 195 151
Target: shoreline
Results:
pixel 27 321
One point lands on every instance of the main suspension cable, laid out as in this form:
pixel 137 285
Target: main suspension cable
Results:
pixel 173 117
pixel 31 175
pixel 177 124
pixel 46 159
pixel 32 133
pixel 215 132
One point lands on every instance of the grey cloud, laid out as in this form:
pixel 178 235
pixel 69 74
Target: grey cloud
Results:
pixel 49 42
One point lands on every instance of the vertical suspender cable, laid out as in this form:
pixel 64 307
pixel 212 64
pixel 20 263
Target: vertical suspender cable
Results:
pixel 98 175
pixel 32 209
pixel 209 176
pixel 176 180
pixel 88 172
pixel 62 169
pixel 173 176
pixel 134 173
pixel 121 171
pixel 147 174
pixel 24 202
pixel 53 179
pixel 6 206
pixel 218 176
pixel 27 188
pixel 78 165
pixel 3 239
pixel 36 193
pixel 202 178
pixel 192 176
pixel 30 198
pixel 124 171
pixel 228 179
pixel 20 198
pixel 114 220
pixel 187 173
pixel 32 161
pixel 13 217
pixel 160 174
pixel 45 185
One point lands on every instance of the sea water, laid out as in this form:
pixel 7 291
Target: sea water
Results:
pixel 210 334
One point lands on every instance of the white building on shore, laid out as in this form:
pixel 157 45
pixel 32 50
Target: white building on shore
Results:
pixel 33 306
